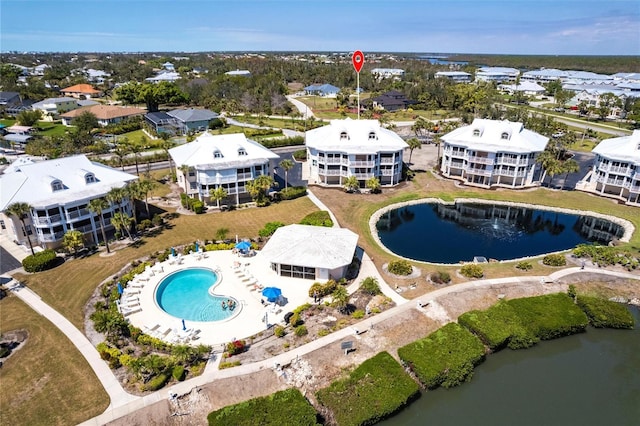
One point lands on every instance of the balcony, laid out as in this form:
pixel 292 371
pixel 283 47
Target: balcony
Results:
pixel 387 161
pixel 244 176
pixel 362 163
pixel 511 173
pixel 330 172
pixel 361 176
pixel 51 237
pixel 84 229
pixel 324 160
pixel 217 180
pixel 481 160
pixel 614 182
pixel 620 170
pixel 478 172
pixel 75 214
pixel 48 220
pixel 387 172
pixel 512 161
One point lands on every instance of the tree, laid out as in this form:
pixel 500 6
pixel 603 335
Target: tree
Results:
pixel 286 165
pixel 144 187
pixel 29 117
pixel 151 94
pixel 185 176
pixel 116 196
pixel 351 184
pixel 20 210
pixel 218 194
pixel 72 240
pixel 548 161
pixel 340 298
pixel 120 152
pixel 86 122
pixel 97 206
pixel 258 189
pixel 607 102
pixel 420 127
pixel 569 166
pixel 135 149
pixel 562 97
pixel 166 145
pixel 413 144
pixel 373 184
pixel 122 221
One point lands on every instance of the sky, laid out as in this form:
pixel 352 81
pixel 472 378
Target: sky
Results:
pixel 557 27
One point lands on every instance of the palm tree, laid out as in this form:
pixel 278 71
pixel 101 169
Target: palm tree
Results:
pixel 116 196
pixel 258 189
pixel 340 298
pixel 373 184
pixel 97 206
pixel 122 221
pixel 20 210
pixel 185 173
pixel 351 184
pixel 120 153
pixel 218 194
pixel 286 165
pixel 135 149
pixel 413 144
pixel 546 159
pixel 166 145
pixel 144 187
pixel 569 166
pixel 72 240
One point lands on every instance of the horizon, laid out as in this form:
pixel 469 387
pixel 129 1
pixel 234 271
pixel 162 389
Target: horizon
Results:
pixel 495 27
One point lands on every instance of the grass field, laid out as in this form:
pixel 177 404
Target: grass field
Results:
pixel 47 381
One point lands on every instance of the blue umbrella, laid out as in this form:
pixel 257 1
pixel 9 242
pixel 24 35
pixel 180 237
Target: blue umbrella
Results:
pixel 120 290
pixel 272 293
pixel 173 252
pixel 243 245
pixel 184 326
pixel 196 246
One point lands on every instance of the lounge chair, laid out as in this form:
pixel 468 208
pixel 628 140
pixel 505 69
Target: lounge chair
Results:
pixel 127 312
pixel 150 330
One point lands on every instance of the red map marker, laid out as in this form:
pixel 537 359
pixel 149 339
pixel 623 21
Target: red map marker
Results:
pixel 358 60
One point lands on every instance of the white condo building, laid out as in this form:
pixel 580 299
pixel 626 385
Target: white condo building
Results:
pixel 491 153
pixel 616 169
pixel 226 161
pixel 360 148
pixel 59 192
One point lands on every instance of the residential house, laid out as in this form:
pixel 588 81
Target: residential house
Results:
pixel 616 169
pixel 161 122
pixel 391 101
pixel 168 66
pixel 497 74
pixel 238 73
pixel 547 75
pixel 52 107
pixel 18 134
pixel 59 192
pixel 455 76
pixel 492 153
pixel 326 90
pixel 81 90
pixel 382 73
pixel 360 148
pixel 192 119
pixel 168 76
pixel 96 76
pixel 526 87
pixel 311 252
pixel 106 114
pixel 9 100
pixel 221 161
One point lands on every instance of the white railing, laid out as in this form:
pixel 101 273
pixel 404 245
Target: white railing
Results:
pixel 331 160
pixel 387 160
pixel 85 228
pixel 362 163
pixel 481 172
pixel 75 214
pixel 51 237
pixel 244 176
pixel 363 175
pixel 48 220
pixel 330 172
pixel 386 172
pixel 615 182
pixel 512 161
pixel 481 160
pixel 620 170
pixel 510 173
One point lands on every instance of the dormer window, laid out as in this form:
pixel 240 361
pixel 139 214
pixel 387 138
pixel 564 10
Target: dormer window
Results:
pixel 504 135
pixel 217 154
pixel 476 132
pixel 372 136
pixel 89 178
pixel 242 151
pixel 56 185
pixel 344 136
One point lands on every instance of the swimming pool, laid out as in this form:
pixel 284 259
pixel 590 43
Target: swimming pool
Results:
pixel 185 295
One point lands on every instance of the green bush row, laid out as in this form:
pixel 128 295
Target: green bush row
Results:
pixel 292 192
pixel 445 357
pixel 554 260
pixel 41 261
pixel 376 389
pixel 605 313
pixel 287 407
pixel 192 204
pixel 278 142
pixel 270 228
pixel 606 255
pixel 319 218
pixel 400 267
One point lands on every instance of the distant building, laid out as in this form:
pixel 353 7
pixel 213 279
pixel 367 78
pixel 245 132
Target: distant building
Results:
pixel 326 90
pixel 9 100
pixel 616 169
pixel 497 74
pixel 360 148
pixel 391 101
pixel 52 107
pixel 221 161
pixel 106 114
pixel 382 73
pixel 455 76
pixel 491 153
pixel 180 121
pixel 526 87
pixel 239 73
pixel 79 90
pixel 169 76
pixel 59 191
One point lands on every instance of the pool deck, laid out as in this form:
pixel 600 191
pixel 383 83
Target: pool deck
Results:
pixel 236 278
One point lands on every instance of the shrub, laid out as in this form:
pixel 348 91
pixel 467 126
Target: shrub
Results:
pixel 293 192
pixel 358 314
pixel 270 228
pixel 440 277
pixel 370 285
pixel 373 391
pixel 279 331
pixel 156 383
pixel 236 347
pixel 197 206
pixel 323 332
pixel 400 267
pixel 229 364
pixel 319 218
pixel 524 266
pixel 178 373
pixel 287 407
pixel 605 313
pixel 300 155
pixel 471 270
pixel 295 319
pixel 554 260
pixel 41 261
pixel 322 290
pixel 301 330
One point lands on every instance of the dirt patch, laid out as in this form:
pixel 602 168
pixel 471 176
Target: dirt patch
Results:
pixel 10 342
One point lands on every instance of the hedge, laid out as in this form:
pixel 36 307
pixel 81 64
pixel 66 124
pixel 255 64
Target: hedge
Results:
pixel 445 357
pixel 319 218
pixel 41 261
pixel 287 407
pixel 376 389
pixel 494 326
pixel 156 383
pixel 400 267
pixel 293 192
pixel 605 313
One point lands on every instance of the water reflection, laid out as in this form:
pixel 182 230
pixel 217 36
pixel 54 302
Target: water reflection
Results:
pixel 461 231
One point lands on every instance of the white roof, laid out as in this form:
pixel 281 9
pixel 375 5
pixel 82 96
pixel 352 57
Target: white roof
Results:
pixel 498 70
pixel 524 86
pixel 31 182
pixel 201 152
pixel 520 140
pixel 625 148
pixel 312 246
pixel 358 141
pixel 453 73
pixel 50 101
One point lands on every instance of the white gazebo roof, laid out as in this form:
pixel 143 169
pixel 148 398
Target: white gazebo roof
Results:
pixel 355 136
pixel 625 148
pixel 311 246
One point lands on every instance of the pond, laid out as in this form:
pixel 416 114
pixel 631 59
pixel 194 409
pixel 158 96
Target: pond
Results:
pixel 450 233
pixel 585 379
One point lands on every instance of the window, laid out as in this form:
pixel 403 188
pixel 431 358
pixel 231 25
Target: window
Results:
pixel 56 185
pixel 217 154
pixel 372 135
pixel 476 132
pixel 504 135
pixel 343 135
pixel 192 172
pixel 2 224
pixel 89 178
pixel 241 151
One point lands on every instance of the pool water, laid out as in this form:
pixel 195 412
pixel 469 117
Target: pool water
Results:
pixel 185 295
